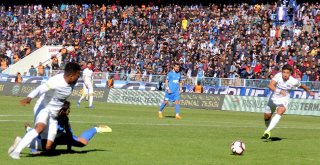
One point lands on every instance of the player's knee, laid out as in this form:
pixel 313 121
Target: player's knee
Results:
pixel 40 127
pixel 177 102
pixel 281 110
pixel 83 141
pixel 267 116
pixel 165 102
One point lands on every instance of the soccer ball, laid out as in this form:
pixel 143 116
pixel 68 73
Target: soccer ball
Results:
pixel 238 147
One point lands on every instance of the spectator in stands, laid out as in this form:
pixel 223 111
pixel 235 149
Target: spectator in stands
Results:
pixel 198 88
pixel 110 82
pixel 40 69
pixel 116 36
pixel 32 71
pixel 18 78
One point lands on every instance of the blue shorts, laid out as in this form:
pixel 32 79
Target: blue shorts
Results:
pixel 172 96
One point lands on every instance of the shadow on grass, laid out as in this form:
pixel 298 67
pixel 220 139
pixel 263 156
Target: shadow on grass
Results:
pixel 272 139
pixel 170 116
pixel 61 151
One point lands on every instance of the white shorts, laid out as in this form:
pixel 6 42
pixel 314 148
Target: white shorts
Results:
pixel 88 90
pixel 273 104
pixel 44 116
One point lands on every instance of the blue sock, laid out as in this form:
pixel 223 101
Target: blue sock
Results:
pixel 162 107
pixel 88 134
pixel 177 107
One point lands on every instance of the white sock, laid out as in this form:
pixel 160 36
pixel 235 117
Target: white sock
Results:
pixel 274 121
pixel 81 98
pixel 26 140
pixel 90 100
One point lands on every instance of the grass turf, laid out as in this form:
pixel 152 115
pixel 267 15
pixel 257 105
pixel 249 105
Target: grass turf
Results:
pixel 139 137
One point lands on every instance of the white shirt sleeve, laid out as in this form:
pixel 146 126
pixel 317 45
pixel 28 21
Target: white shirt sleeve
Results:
pixel 43 88
pixel 277 77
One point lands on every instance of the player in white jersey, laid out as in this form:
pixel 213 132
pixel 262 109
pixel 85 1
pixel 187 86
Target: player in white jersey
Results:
pixel 52 94
pixel 87 85
pixel 281 85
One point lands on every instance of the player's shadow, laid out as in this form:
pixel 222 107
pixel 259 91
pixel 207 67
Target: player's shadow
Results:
pixel 61 151
pixel 272 139
pixel 170 116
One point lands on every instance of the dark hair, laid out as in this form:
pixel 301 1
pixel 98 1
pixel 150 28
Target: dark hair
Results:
pixel 287 67
pixel 65 106
pixel 89 62
pixel 71 68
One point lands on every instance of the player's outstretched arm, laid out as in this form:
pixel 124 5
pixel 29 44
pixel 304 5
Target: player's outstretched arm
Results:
pixel 304 87
pixel 38 91
pixel 25 101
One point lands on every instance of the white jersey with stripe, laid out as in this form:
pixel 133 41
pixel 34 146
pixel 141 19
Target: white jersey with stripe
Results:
pixel 87 75
pixel 286 86
pixel 53 93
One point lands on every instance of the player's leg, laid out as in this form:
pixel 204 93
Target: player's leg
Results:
pixel 36 144
pixel 90 90
pixel 281 109
pixel 84 93
pixel 276 118
pixel 84 138
pixel 40 125
pixel 177 105
pixel 268 111
pixel 163 105
pixel 52 132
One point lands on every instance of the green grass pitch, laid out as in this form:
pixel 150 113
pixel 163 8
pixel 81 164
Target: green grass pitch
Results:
pixel 140 138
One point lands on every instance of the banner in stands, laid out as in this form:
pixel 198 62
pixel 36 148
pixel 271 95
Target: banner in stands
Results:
pixel 136 85
pixel 138 97
pixel 23 89
pixel 98 83
pixel 244 103
pixel 258 104
pixel 100 94
pixel 206 101
pixel 249 91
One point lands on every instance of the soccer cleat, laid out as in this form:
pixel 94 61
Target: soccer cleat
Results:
pixel 14 155
pixel 14 145
pixel 78 104
pixel 178 117
pixel 266 135
pixel 160 115
pixel 103 129
pixel 91 107
pixel 27 127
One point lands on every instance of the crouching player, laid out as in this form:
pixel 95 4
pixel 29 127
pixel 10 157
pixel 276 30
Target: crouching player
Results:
pixel 64 134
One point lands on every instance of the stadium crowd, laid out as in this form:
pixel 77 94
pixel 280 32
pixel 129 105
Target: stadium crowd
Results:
pixel 214 41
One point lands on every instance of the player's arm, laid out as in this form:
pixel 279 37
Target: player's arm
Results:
pixel 167 86
pixel 272 86
pixel 180 86
pixel 84 80
pixel 304 87
pixel 38 91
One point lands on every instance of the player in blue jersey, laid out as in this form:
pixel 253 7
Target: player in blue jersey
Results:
pixel 173 90
pixel 64 134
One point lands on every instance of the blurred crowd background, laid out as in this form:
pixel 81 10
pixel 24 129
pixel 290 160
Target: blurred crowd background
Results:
pixel 222 41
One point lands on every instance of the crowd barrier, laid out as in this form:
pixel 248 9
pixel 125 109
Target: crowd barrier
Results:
pixel 209 101
pixel 157 81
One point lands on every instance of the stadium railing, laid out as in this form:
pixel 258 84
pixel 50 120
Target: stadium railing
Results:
pixel 205 81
